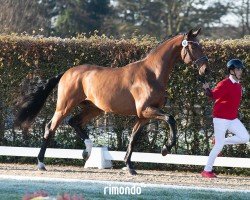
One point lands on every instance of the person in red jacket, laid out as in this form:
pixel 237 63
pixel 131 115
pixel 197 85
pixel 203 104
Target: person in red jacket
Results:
pixel 227 96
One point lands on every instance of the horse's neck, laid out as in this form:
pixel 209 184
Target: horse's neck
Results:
pixel 163 58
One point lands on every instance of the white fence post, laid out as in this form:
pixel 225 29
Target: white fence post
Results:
pixel 97 159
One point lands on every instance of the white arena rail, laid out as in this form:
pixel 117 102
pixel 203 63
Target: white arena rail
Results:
pixel 101 158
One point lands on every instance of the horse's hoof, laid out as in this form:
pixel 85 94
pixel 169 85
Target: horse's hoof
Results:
pixel 42 169
pixel 132 172
pixel 41 166
pixel 164 151
pixel 85 155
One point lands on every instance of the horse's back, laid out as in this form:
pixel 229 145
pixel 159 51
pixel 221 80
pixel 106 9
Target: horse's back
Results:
pixel 108 88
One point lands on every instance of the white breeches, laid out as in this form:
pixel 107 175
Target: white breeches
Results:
pixel 240 136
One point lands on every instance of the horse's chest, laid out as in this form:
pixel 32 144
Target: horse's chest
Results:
pixel 149 94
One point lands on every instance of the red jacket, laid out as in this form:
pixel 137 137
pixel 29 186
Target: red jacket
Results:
pixel 227 96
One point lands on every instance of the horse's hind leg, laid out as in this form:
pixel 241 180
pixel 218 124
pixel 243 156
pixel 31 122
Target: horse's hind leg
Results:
pixel 64 106
pixel 133 139
pixel 89 111
pixel 44 145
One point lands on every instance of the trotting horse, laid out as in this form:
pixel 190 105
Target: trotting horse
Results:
pixel 136 89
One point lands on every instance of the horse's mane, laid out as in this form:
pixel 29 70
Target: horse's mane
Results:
pixel 165 39
pixel 169 37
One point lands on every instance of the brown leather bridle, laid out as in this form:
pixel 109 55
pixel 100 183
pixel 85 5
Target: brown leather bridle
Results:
pixel 195 62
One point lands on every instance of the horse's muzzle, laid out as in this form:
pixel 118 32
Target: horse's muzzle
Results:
pixel 204 70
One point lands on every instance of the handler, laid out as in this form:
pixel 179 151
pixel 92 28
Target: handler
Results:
pixel 227 96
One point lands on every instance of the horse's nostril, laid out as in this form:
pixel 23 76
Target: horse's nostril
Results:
pixel 206 71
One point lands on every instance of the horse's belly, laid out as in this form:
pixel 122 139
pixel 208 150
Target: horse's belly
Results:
pixel 120 103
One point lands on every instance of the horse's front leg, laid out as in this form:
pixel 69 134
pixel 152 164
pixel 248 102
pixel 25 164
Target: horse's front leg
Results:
pixel 172 136
pixel 133 139
pixel 156 113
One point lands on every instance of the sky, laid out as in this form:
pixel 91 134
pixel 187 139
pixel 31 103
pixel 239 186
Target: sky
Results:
pixel 230 18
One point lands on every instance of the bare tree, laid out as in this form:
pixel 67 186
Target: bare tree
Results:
pixel 23 16
pixel 244 14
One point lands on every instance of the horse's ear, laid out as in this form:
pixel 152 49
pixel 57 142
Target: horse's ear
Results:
pixel 190 33
pixel 196 32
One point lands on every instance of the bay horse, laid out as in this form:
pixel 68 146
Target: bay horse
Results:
pixel 137 89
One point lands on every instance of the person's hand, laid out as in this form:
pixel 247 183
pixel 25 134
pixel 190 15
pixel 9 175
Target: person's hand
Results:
pixel 205 86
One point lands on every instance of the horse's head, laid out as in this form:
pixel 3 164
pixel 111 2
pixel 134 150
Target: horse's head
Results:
pixel 192 52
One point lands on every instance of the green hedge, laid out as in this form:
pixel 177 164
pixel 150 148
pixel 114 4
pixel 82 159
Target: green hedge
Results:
pixel 22 56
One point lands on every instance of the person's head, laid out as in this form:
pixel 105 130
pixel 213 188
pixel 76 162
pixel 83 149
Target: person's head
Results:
pixel 235 67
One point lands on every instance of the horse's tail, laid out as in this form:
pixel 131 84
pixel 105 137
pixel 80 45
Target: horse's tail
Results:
pixel 29 105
